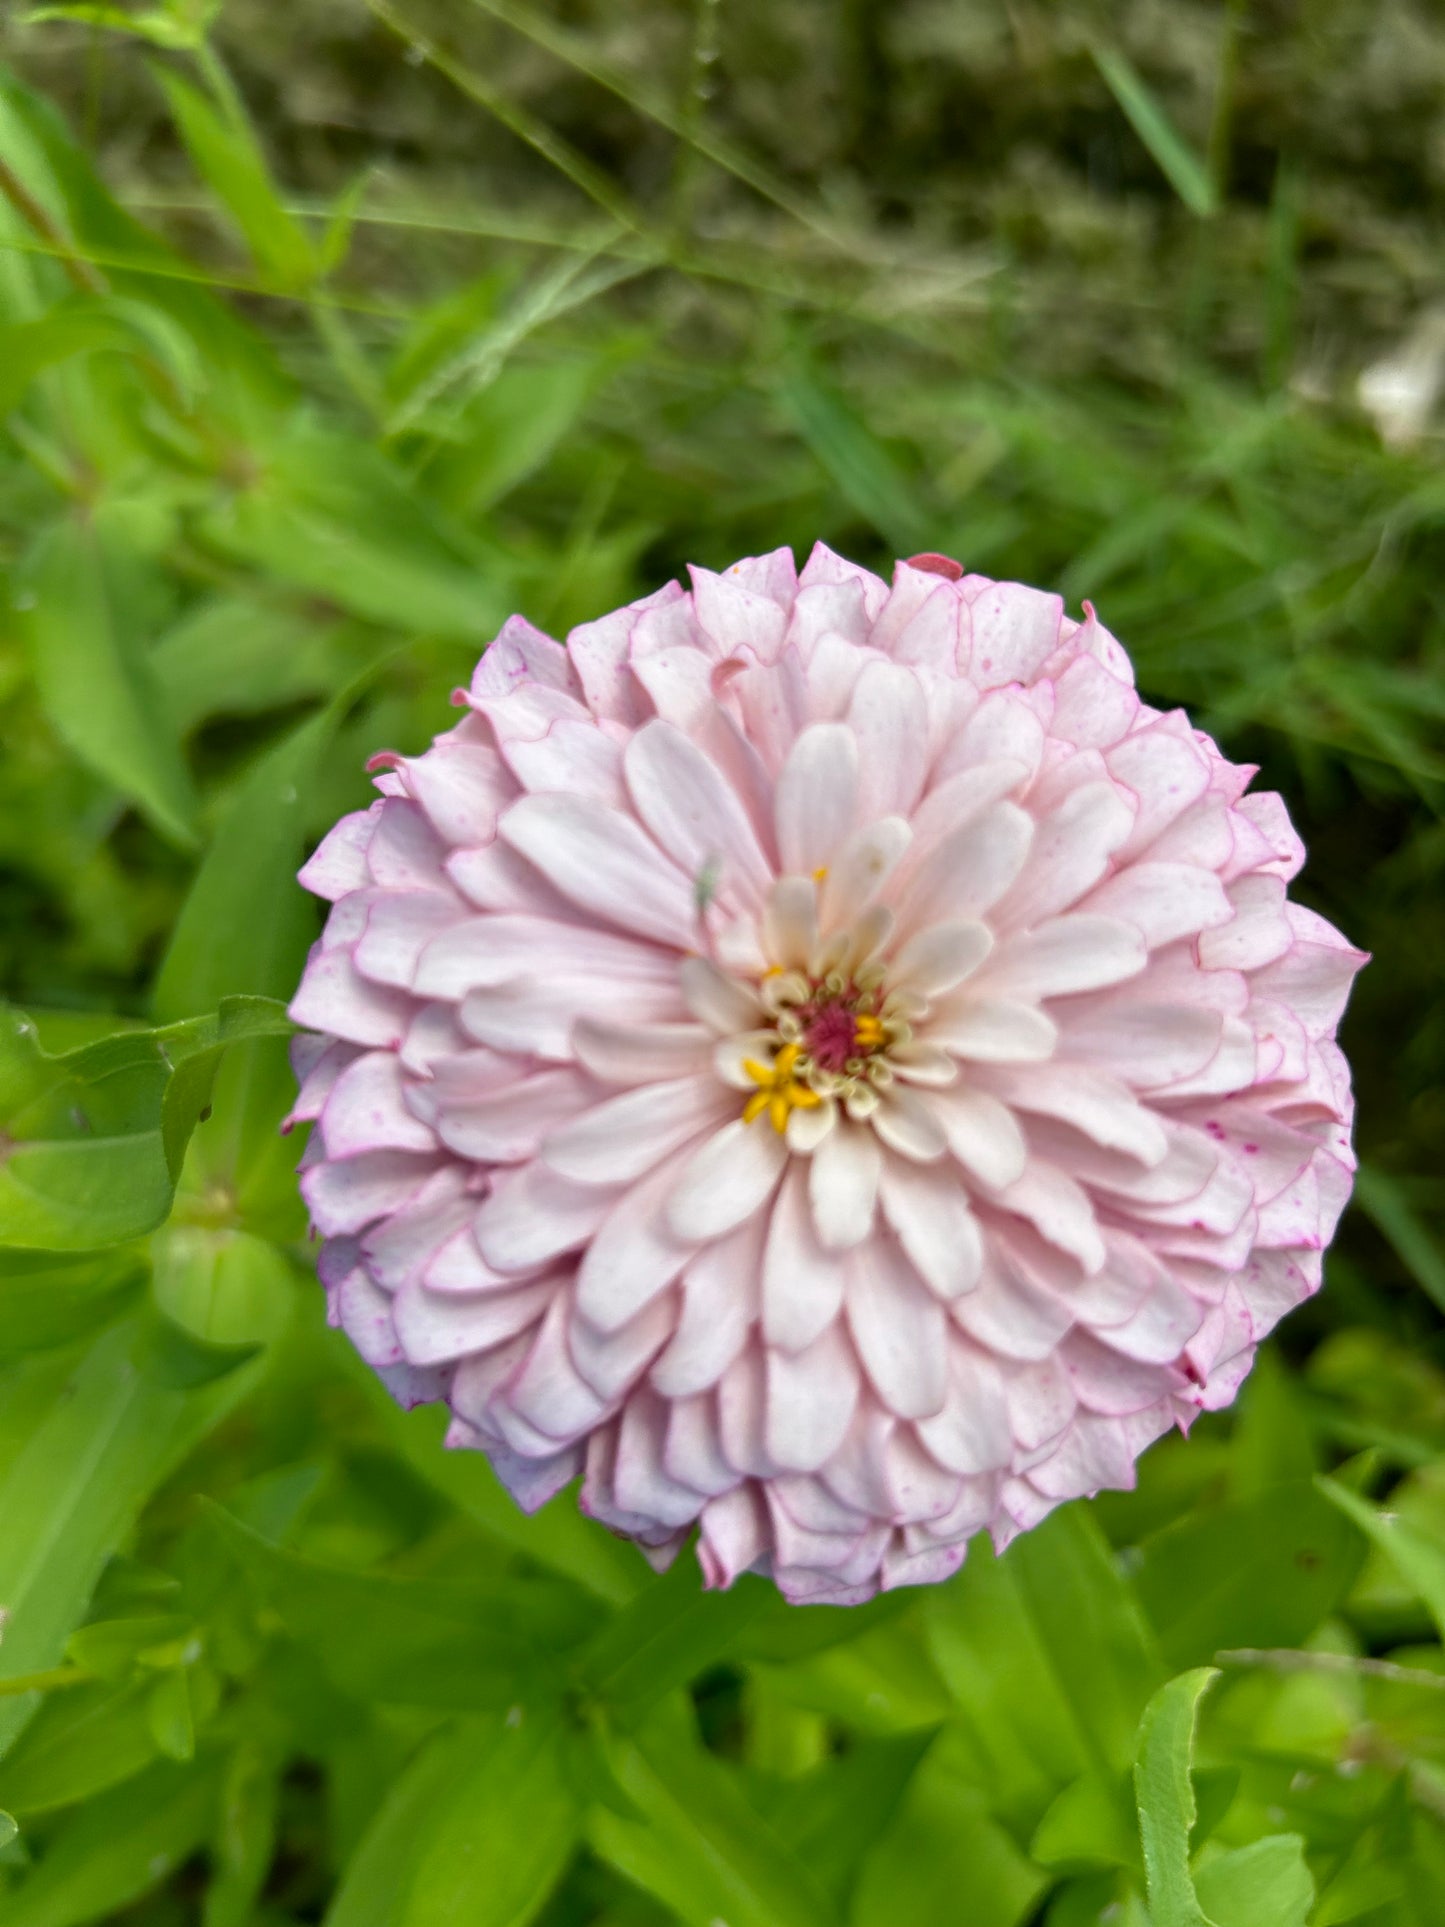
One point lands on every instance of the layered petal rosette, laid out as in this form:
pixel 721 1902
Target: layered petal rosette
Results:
pixel 825 1062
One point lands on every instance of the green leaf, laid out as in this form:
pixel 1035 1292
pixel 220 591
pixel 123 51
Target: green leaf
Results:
pixel 1090 1824
pixel 244 655
pixel 703 1851
pixel 1048 1659
pixel 171 1716
pixel 865 473
pixel 49 1299
pixel 559 1537
pixel 945 1858
pixel 832 1816
pixel 246 924
pixel 91 1142
pixel 79 1743
pixel 71 1494
pixel 1265 1884
pixel 1419 1560
pixel 1165 1796
pixel 91 672
pixel 494 1847
pixel 175 1358
pixel 93 325
pixel 245 1836
pixel 666 1637
pixel 330 514
pixel 375 1886
pixel 1386 1204
pixel 481 1643
pixel 1176 159
pixel 117 1848
pixel 111 1648
pixel 161 26
pixel 1259 1572
pixel 225 1289
pixel 228 158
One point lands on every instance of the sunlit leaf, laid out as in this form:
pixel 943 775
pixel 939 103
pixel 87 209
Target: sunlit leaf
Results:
pixel 87 652
pixel 228 158
pixel 1165 1795
pixel 1262 1571
pixel 117 1848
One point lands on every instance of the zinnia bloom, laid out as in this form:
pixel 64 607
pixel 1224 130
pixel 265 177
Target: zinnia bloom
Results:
pixel 827 1063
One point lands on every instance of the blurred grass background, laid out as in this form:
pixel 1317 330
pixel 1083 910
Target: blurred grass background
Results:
pixel 330 335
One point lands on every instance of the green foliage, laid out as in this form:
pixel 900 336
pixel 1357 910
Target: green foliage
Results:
pixel 323 349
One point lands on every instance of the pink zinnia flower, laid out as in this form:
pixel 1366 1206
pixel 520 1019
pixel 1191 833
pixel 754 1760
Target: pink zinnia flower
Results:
pixel 825 1062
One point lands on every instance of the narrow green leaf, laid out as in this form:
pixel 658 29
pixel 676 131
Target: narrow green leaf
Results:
pixel 702 1850
pixel 91 326
pixel 117 1848
pixel 1266 1884
pixel 1385 1203
pixel 330 514
pixel 88 657
pixel 228 158
pixel 866 474
pixel 171 1717
pixel 80 1743
pixel 162 28
pixel 1176 159
pixel 495 1845
pixel 666 1637
pixel 48 1298
pixel 1259 1572
pixel 245 1836
pixel 1165 1796
pixel 376 1884
pixel 1419 1559
pixel 71 1494
pixel 946 1858
pixel 448 1644
pixel 246 924
pixel 173 1357
pixel 832 1816
pixel 559 1537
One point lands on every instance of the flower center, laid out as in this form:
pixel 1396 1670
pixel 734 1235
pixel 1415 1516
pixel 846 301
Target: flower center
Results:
pixel 830 1039
pixel 829 1036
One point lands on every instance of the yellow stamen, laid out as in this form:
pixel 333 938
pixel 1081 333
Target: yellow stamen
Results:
pixel 868 1032
pixel 820 875
pixel 779 1092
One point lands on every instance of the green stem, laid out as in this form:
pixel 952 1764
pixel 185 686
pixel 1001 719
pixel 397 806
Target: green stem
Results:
pixel 52 1681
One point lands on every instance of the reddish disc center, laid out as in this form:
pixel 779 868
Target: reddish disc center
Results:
pixel 831 1037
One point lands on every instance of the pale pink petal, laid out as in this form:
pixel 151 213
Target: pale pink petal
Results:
pixel 930 1212
pixel 843 1185
pixel 940 957
pixel 602 861
pixel 731 1176
pixel 1067 954
pixel 817 795
pixel 624 1137
pixel 691 810
pixel 900 1330
pixel 802 1283
pixel 640 1053
pixel 811 1395
pixel 982 1134
pixel 992 1030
